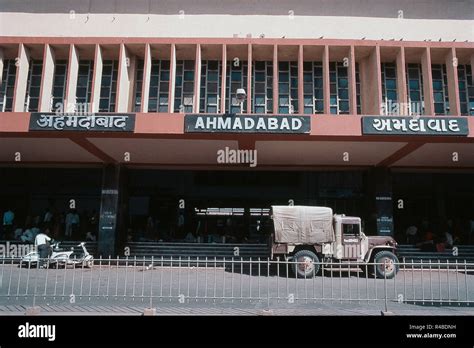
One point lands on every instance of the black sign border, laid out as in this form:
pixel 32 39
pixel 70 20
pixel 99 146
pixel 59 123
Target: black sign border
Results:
pixel 306 119
pixel 417 134
pixel 130 126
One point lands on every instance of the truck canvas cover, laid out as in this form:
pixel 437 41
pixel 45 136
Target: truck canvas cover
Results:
pixel 302 224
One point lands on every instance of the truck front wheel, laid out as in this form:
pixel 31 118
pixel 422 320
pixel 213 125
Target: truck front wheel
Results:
pixel 306 264
pixel 386 264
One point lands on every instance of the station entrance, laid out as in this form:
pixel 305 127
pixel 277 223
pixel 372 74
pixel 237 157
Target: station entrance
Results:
pixel 227 206
pixel 230 206
pixel 436 202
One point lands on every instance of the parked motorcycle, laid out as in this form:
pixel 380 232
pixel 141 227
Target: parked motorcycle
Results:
pixel 85 259
pixel 60 257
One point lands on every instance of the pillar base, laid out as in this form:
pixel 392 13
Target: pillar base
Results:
pixel 149 312
pixel 265 312
pixel 33 310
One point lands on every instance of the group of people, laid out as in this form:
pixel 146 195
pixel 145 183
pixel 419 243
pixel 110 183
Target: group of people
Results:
pixel 59 225
pixel 195 229
pixel 433 237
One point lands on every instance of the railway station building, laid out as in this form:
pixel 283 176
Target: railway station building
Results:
pixel 158 121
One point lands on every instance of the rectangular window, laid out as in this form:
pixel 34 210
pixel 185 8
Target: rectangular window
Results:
pixel 415 89
pixel 108 86
pixel 389 87
pixel 466 90
pixel 184 86
pixel 339 88
pixel 84 85
pixel 287 87
pixel 236 77
pixel 59 85
pixel 440 89
pixel 33 85
pixel 158 99
pixel 8 85
pixel 211 71
pixel 262 87
pixel 313 88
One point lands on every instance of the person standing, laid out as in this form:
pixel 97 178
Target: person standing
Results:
pixel 93 222
pixel 72 224
pixel 68 224
pixel 75 224
pixel 8 218
pixel 412 235
pixel 42 244
pixel 180 224
pixel 47 218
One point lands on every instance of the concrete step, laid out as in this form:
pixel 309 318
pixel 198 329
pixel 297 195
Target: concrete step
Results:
pixel 412 247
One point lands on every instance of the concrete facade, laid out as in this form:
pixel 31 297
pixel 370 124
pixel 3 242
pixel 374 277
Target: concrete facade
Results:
pixel 360 35
pixel 341 19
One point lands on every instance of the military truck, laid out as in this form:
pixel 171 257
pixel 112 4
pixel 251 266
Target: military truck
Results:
pixel 314 236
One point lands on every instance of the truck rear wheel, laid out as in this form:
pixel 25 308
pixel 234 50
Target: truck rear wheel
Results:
pixel 306 264
pixel 386 264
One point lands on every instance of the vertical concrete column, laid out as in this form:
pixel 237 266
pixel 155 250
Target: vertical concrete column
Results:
pixel 123 216
pixel 109 210
pixel 21 81
pixel 427 81
pixel 472 69
pixel 223 78
pixel 197 79
pixel 378 76
pixel 380 201
pixel 402 93
pixel 124 79
pixel 172 78
pixel 472 62
pixel 300 80
pixel 249 79
pixel 2 58
pixel 47 79
pixel 453 83
pixel 71 83
pixel 97 80
pixel 146 78
pixel 276 99
pixel 132 75
pixel 352 82
pixel 371 83
pixel 326 81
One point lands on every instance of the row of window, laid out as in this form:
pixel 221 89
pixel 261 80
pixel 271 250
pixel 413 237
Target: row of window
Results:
pixel 8 85
pixel 262 98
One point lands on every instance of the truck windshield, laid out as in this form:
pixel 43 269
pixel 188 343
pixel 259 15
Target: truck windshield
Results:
pixel 353 229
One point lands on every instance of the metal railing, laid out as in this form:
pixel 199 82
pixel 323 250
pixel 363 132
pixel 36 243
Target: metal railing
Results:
pixel 229 280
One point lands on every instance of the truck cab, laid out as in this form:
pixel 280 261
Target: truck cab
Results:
pixel 350 242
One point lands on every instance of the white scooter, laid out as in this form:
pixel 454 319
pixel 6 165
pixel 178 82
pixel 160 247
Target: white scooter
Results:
pixel 61 257
pixel 85 259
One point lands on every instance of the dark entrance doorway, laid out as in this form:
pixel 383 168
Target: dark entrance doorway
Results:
pixel 168 205
pixel 30 192
pixel 437 202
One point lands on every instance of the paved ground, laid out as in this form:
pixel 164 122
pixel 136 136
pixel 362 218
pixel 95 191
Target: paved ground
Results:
pixel 225 291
